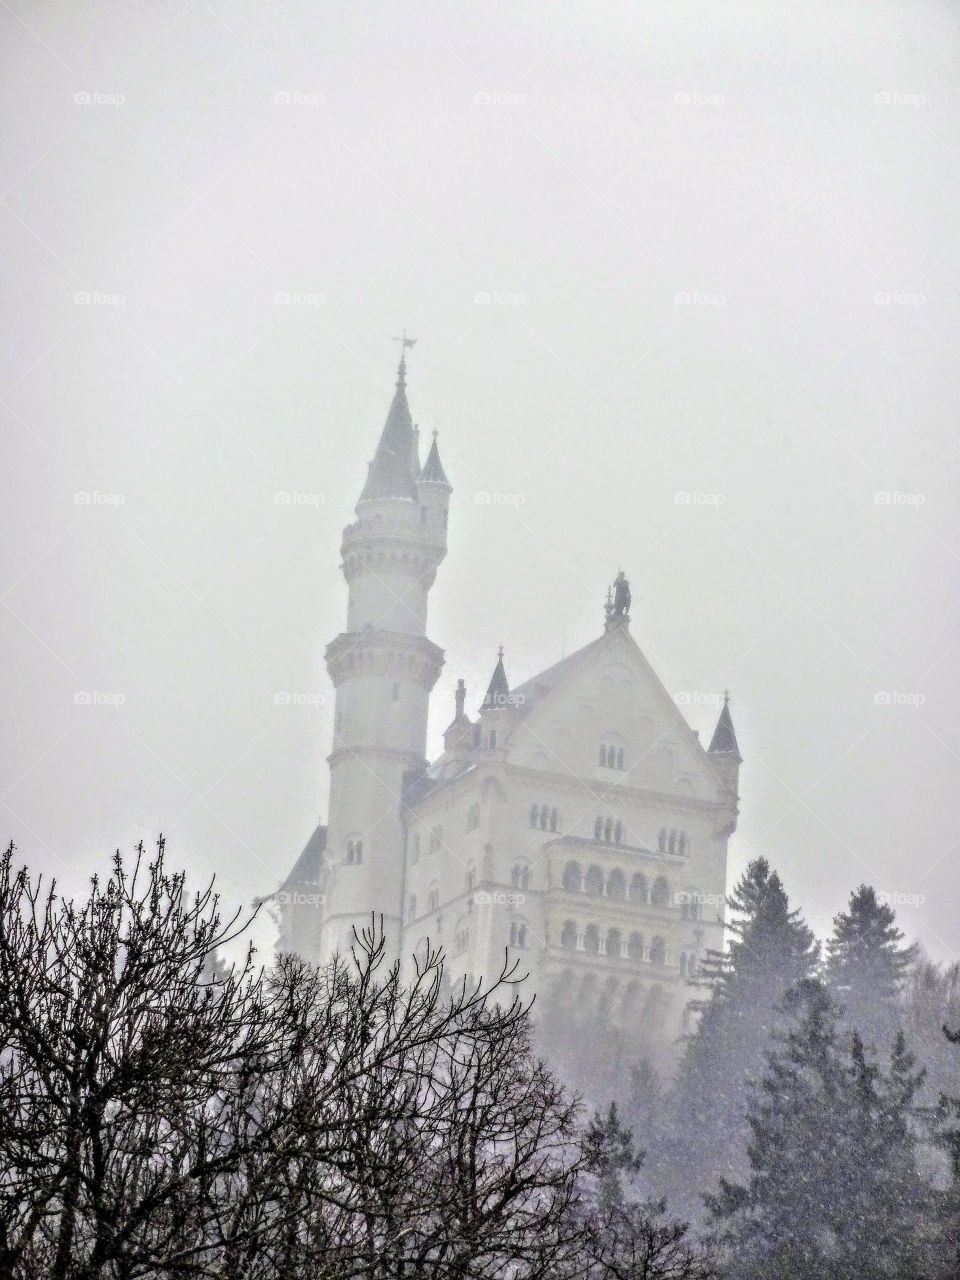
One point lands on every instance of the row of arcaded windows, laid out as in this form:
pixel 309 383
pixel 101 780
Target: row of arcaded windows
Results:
pixel 615 885
pixel 623 946
pixel 611 942
pixel 545 818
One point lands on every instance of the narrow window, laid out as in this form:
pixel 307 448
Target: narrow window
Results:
pixel 396 693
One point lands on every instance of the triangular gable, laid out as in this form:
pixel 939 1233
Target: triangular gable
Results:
pixel 607 693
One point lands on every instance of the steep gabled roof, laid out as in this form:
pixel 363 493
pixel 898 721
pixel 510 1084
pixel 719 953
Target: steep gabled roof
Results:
pixel 307 868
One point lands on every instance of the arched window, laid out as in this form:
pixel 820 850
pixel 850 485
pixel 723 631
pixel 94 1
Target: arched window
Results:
pixel 608 831
pixel 534 814
pixel 598 829
pixel 658 951
pixel 476 735
pixel 660 897
pixel 544 817
pixel 691 964
pixel 415 848
pixel 594 881
pixel 591 939
pixel 614 943
pixel 473 816
pixel 518 934
pixel 354 851
pixel 520 876
pixel 618 833
pixel 620 764
pixel 411 908
pixel 492 740
pixel 436 838
pixel 682 844
pixel 568 936
pixel 672 845
pixel 471 878
pixel 635 947
pixel 461 937
pixel 638 887
pixel 572 877
pixel 554 819
pixel 616 885
pixel 434 901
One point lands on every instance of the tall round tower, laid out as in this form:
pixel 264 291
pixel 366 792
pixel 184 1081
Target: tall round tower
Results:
pixel 383 668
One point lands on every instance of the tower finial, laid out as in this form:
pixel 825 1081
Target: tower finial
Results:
pixel 402 370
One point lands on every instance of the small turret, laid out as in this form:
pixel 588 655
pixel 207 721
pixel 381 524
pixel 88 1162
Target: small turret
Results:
pixel 458 735
pixel 498 690
pixel 433 491
pixel 723 749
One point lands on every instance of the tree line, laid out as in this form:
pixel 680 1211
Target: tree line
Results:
pixel 163 1114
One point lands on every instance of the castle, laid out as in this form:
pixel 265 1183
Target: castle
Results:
pixel 575 822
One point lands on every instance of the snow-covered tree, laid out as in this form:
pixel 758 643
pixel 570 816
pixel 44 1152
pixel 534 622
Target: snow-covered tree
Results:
pixel 867 968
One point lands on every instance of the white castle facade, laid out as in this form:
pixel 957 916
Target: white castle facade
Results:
pixel 575 822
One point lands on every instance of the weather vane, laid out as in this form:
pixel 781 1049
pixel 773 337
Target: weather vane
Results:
pixel 405 342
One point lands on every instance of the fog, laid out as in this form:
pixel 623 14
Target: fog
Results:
pixel 684 286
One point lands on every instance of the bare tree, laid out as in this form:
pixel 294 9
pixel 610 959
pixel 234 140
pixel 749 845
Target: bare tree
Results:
pixel 162 1115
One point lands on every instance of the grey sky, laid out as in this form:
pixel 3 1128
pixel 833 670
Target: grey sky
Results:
pixel 533 190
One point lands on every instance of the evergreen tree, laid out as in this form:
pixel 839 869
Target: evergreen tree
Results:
pixel 705 1132
pixel 867 968
pixel 833 1189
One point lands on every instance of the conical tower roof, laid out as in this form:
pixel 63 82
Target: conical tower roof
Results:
pixel 724 740
pixel 392 473
pixel 498 691
pixel 433 472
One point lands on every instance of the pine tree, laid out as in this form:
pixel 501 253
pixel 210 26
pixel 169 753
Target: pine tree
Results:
pixel 867 968
pixel 705 1133
pixel 833 1189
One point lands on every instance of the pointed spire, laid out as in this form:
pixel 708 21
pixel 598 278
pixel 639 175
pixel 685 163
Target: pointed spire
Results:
pixel 498 691
pixel 433 472
pixel 460 698
pixel 392 472
pixel 724 740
